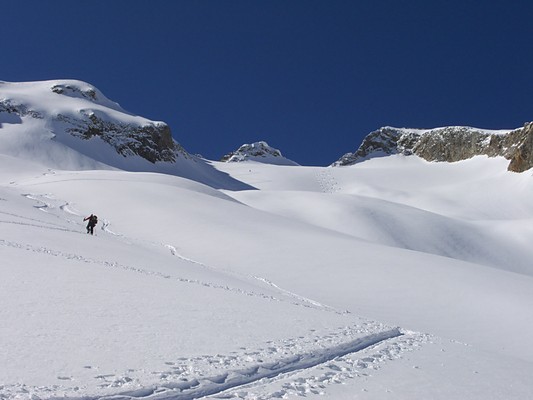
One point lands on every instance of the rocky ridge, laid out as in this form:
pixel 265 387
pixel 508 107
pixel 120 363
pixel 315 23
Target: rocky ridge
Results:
pixel 448 144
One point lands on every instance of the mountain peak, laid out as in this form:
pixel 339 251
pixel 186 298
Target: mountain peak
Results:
pixel 68 109
pixel 259 152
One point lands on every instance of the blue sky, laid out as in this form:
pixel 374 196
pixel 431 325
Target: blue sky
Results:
pixel 312 78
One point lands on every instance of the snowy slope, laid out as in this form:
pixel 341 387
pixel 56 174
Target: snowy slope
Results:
pixel 71 125
pixel 442 213
pixel 393 278
pixel 439 209
pixel 185 291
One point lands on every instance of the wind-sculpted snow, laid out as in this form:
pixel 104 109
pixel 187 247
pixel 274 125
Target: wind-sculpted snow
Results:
pixel 316 284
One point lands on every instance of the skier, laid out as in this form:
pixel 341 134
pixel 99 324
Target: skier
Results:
pixel 93 220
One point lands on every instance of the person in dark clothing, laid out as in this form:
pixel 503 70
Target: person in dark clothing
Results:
pixel 93 220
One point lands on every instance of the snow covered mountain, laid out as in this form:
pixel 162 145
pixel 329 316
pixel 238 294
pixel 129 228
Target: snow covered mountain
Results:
pixel 60 108
pixel 71 125
pixel 394 278
pixel 451 144
pixel 258 152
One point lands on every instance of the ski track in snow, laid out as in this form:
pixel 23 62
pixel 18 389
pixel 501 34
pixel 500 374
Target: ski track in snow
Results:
pixel 114 264
pixel 212 385
pixel 139 270
pixel 48 203
pixel 54 226
pixel 337 370
pixel 325 360
pixel 300 298
pixel 278 371
pixel 326 181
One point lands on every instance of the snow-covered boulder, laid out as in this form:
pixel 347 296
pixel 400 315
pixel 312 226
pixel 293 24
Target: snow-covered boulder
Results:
pixel 259 152
pixel 449 144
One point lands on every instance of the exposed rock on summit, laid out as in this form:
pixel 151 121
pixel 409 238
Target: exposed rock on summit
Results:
pixel 75 91
pixel 15 108
pixel 152 141
pixel 449 144
pixel 259 152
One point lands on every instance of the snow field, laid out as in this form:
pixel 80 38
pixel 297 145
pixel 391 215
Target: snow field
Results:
pixel 256 281
pixel 73 302
pixel 145 288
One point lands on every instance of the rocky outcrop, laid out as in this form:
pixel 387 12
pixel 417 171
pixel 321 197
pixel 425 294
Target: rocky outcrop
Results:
pixel 258 151
pixel 382 142
pixel 151 141
pixel 19 109
pixel 75 91
pixel 448 144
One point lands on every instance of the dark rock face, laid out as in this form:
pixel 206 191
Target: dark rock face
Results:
pixel 74 91
pixel 382 142
pixel 10 107
pixel 522 157
pixel 153 142
pixel 448 144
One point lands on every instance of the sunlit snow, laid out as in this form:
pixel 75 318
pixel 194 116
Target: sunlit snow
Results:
pixel 395 278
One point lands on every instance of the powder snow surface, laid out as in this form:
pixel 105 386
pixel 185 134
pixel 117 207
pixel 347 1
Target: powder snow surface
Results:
pixel 395 278
pixel 398 278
